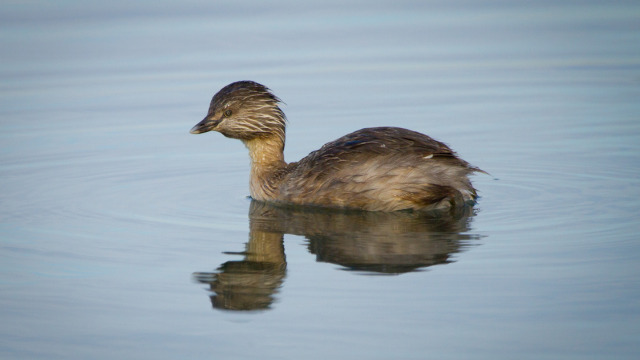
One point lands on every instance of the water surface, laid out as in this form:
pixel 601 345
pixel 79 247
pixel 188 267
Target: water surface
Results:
pixel 123 236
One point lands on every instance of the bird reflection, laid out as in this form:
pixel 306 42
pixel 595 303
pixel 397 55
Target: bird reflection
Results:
pixel 368 242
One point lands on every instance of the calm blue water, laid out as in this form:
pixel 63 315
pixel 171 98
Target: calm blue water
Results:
pixel 123 236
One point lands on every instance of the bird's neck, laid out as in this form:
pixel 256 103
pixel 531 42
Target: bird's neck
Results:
pixel 267 166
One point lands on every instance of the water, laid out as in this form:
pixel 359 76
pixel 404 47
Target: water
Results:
pixel 120 231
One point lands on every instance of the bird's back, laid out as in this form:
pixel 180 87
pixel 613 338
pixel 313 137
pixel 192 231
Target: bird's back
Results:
pixel 384 168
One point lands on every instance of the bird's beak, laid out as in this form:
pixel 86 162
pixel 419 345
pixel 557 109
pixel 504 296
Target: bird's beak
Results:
pixel 207 124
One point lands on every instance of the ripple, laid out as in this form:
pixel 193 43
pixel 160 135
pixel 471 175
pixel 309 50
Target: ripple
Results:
pixel 69 190
pixel 556 196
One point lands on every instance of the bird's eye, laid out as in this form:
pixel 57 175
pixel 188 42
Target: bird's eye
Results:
pixel 227 113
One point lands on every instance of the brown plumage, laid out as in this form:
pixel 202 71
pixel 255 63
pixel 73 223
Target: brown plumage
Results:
pixel 377 169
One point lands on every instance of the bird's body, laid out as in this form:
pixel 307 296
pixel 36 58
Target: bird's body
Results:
pixel 376 169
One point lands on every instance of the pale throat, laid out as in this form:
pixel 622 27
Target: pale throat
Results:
pixel 267 159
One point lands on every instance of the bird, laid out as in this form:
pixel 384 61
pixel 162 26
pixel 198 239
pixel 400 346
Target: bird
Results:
pixel 372 169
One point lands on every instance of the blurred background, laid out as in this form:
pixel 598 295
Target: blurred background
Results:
pixel 123 236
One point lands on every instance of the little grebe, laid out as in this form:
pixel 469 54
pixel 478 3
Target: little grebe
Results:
pixel 377 169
